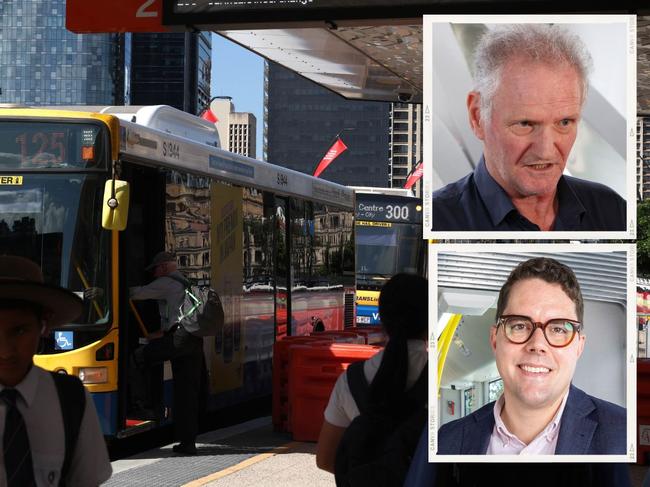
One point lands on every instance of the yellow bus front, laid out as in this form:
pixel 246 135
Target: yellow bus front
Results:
pixel 53 167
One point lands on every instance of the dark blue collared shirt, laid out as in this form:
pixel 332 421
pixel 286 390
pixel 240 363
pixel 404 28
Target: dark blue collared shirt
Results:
pixel 477 202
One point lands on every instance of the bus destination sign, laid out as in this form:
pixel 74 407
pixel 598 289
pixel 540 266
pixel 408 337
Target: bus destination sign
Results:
pixel 380 208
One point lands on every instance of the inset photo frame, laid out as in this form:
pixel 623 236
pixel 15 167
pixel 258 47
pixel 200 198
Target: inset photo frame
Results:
pixel 502 390
pixel 529 127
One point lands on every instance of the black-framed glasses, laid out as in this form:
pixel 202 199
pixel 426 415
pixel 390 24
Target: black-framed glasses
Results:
pixel 559 332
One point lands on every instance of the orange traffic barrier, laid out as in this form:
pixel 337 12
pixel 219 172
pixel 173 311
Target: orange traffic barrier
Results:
pixel 374 335
pixel 313 371
pixel 341 336
pixel 280 376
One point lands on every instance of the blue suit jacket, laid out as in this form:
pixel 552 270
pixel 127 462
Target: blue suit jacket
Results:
pixel 589 426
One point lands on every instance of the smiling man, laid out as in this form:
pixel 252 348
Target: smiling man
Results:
pixel 537 340
pixel 531 82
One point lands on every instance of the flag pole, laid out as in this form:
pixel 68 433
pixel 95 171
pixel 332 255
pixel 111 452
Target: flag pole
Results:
pixel 414 175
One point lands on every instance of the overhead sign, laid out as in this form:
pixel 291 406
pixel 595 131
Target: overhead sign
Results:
pixel 221 13
pixel 181 12
pixel 85 17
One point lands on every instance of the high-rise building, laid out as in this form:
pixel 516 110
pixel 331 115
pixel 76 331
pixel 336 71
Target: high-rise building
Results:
pixel 643 155
pixel 302 120
pixel 44 64
pixel 236 129
pixel 405 143
pixel 170 69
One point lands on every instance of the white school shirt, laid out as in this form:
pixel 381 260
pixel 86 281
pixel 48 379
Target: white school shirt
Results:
pixel 39 404
pixel 341 408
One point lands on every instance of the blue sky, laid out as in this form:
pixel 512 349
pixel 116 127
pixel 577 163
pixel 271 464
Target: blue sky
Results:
pixel 239 73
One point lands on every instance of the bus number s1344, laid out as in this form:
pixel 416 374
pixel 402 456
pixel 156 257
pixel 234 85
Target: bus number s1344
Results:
pixel 171 149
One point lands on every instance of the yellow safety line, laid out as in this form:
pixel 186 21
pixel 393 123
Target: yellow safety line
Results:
pixel 447 336
pixel 241 465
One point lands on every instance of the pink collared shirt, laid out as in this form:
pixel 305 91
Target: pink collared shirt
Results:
pixel 502 442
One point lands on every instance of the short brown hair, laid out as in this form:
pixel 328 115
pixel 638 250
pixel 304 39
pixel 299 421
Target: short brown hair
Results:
pixel 548 270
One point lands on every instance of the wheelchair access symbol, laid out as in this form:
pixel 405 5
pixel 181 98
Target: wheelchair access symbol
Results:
pixel 63 340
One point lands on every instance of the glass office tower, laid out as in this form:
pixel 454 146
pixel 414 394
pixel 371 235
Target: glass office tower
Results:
pixel 44 64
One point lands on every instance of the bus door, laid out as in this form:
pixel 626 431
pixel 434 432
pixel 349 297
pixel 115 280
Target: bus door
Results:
pixel 282 287
pixel 143 238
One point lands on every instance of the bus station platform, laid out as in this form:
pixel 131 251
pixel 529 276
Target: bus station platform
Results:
pixel 248 454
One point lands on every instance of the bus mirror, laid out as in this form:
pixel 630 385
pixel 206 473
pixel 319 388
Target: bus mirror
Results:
pixel 115 209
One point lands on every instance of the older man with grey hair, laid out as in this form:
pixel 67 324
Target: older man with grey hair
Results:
pixel 531 83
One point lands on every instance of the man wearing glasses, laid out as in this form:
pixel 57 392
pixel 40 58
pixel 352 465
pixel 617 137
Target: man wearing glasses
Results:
pixel 537 341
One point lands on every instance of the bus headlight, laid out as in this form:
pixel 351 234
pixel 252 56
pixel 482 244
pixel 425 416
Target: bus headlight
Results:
pixel 93 375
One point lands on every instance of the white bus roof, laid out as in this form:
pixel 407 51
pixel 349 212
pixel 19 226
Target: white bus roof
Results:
pixel 387 191
pixel 157 136
pixel 161 117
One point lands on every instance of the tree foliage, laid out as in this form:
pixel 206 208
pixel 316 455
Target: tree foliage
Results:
pixel 643 238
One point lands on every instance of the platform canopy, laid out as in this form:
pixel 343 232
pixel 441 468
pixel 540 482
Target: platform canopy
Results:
pixel 360 49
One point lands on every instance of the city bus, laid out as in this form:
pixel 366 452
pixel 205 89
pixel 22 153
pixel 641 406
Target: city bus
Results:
pixel 91 194
pixel 388 240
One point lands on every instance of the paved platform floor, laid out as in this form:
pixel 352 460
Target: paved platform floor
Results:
pixel 250 454
pixel 243 455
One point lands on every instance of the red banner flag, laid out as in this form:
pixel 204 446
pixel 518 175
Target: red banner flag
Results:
pixel 208 115
pixel 412 178
pixel 336 150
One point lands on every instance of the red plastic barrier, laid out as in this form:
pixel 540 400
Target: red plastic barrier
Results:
pixel 341 336
pixel 280 376
pixel 313 371
pixel 643 411
pixel 374 335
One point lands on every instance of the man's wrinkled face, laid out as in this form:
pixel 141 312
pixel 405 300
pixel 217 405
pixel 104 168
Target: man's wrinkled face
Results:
pixel 20 331
pixel 532 126
pixel 535 374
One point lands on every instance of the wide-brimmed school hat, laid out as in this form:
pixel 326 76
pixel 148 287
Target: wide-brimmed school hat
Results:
pixel 22 280
pixel 160 258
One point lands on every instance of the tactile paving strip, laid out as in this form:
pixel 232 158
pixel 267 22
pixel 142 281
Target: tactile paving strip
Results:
pixel 214 457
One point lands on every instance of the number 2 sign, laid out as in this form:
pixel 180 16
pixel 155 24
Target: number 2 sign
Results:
pixel 86 17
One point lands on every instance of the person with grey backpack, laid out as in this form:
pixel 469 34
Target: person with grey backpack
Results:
pixel 178 342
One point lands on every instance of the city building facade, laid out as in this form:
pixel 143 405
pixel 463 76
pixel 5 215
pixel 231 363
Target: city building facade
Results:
pixel 236 129
pixel 169 69
pixel 302 120
pixel 44 64
pixel 643 155
pixel 405 143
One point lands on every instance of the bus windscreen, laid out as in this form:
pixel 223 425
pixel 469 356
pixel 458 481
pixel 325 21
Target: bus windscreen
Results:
pixel 53 219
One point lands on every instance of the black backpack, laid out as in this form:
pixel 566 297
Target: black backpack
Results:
pixel 72 398
pixel 377 447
